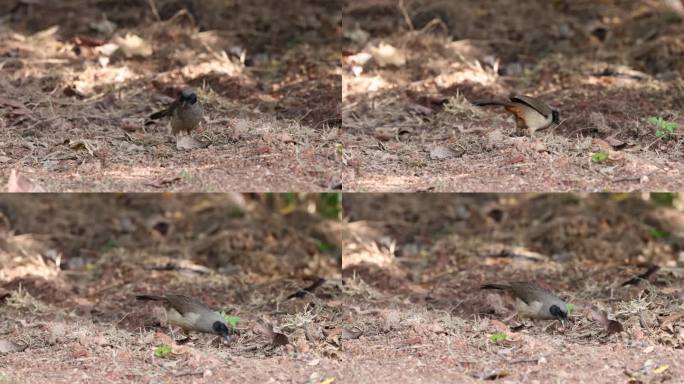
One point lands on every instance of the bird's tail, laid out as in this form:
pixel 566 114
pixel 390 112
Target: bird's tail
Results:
pixel 150 298
pixel 495 286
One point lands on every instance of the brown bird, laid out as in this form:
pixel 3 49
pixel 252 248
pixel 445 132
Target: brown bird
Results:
pixel 531 114
pixel 533 301
pixel 185 112
pixel 190 314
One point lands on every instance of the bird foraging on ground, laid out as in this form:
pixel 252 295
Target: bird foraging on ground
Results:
pixel 190 314
pixel 531 114
pixel 185 112
pixel 533 301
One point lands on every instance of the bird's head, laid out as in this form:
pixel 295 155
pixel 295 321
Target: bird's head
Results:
pixel 555 116
pixel 220 329
pixel 187 97
pixel 558 313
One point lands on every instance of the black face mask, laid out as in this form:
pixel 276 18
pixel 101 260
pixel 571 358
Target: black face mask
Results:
pixel 556 312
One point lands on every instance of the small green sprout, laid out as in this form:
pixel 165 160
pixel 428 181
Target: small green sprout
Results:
pixel 498 337
pixel 599 157
pixel 325 247
pixel 232 321
pixel 339 149
pixel 109 245
pixel 162 351
pixel 658 233
pixel 569 307
pixel 664 129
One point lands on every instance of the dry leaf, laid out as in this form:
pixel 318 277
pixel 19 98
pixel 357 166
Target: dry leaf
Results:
pixel 133 46
pixel 265 329
pixel 349 334
pixel 19 183
pixel 81 144
pixel 614 142
pixel 611 326
pixel 386 55
pixel 499 326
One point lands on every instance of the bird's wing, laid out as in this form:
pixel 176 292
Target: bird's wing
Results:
pixel 483 103
pixel 184 304
pixel 165 112
pixel 528 292
pixel 533 103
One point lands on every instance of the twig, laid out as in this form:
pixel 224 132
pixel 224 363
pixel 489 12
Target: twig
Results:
pixel 153 7
pixel 404 12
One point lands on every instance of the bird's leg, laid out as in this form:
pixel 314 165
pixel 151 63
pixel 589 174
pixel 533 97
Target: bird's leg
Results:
pixel 173 335
pixel 520 126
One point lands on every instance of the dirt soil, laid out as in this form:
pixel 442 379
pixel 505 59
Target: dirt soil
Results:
pixel 409 73
pixel 80 77
pixel 68 280
pixel 414 263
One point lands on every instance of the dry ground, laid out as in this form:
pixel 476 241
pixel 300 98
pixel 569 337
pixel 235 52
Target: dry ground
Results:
pixel 79 77
pixel 68 278
pixel 414 263
pixel 408 124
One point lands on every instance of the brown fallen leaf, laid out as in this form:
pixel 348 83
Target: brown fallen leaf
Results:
pixel 602 145
pixel 302 292
pixel 78 144
pixel 266 330
pixel 499 326
pixel 351 334
pixel 669 323
pixel 611 326
pixel 644 276
pixel 614 142
pixel 85 41
pixel 19 183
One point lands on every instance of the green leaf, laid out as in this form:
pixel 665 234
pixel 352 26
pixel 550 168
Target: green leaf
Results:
pixel 663 199
pixel 599 157
pixel 162 351
pixel 325 247
pixel 655 120
pixel 232 321
pixel 498 337
pixel 664 128
pixel 658 233
pixel 569 307
pixel 330 205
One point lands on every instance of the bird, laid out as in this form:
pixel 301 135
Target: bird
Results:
pixel 531 114
pixel 190 314
pixel 533 301
pixel 185 112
